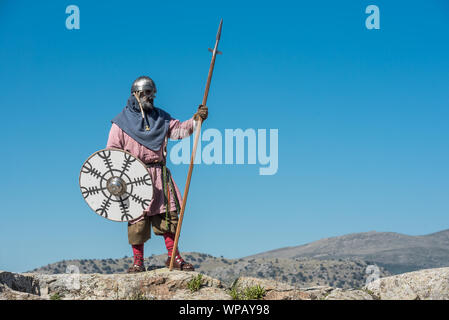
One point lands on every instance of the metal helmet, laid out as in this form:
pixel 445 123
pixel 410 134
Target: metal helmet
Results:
pixel 143 83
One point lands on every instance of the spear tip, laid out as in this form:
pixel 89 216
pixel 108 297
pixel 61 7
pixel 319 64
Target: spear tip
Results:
pixel 219 29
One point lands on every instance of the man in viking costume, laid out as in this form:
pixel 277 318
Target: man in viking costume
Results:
pixel 143 130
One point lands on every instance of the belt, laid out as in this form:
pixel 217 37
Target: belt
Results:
pixel 155 164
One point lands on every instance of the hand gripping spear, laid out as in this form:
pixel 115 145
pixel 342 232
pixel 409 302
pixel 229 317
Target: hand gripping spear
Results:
pixel 197 134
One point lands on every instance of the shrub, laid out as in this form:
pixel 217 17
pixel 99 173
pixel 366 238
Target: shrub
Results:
pixel 139 296
pixel 249 293
pixel 55 296
pixel 195 283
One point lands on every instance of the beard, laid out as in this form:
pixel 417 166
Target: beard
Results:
pixel 147 104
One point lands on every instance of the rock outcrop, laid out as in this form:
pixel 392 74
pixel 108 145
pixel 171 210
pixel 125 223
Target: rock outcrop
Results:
pixel 299 272
pixel 428 284
pixel 167 285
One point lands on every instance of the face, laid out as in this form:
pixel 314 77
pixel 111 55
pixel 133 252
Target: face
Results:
pixel 146 99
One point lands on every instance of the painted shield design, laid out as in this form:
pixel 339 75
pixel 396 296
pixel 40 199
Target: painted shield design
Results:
pixel 116 185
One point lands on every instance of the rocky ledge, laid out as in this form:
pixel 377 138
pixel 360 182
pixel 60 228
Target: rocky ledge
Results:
pixel 429 284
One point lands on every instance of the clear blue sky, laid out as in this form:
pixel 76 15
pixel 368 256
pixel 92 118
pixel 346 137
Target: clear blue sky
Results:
pixel 362 118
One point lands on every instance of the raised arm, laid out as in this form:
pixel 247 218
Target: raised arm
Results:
pixel 180 130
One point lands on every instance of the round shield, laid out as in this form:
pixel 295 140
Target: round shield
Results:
pixel 116 185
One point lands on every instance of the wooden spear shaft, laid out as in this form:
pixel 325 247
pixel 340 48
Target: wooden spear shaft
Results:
pixel 197 134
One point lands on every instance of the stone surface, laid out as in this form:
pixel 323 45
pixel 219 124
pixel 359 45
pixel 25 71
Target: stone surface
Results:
pixel 274 290
pixel 318 293
pixel 339 294
pixel 19 282
pixel 7 293
pixel 155 284
pixel 428 284
pixel 432 284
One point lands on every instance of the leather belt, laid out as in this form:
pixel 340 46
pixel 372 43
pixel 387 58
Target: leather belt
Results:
pixel 155 164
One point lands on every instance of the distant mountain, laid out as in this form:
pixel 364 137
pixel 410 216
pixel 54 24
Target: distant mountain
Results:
pixel 397 253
